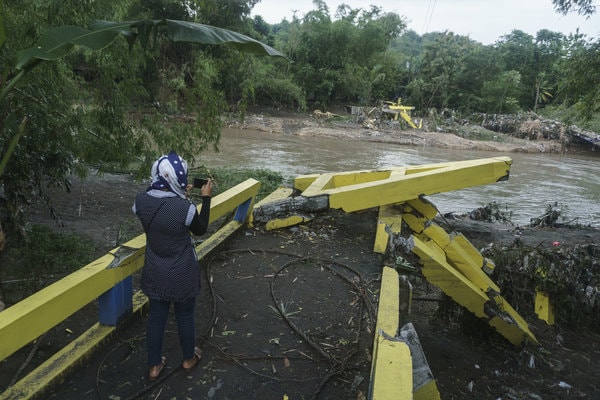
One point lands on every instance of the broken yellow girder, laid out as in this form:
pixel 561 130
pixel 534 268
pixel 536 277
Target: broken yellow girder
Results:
pixel 494 308
pixel 452 263
pixel 449 261
pixel 397 109
pixel 360 190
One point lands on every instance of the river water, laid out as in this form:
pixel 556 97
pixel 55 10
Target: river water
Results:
pixel 536 180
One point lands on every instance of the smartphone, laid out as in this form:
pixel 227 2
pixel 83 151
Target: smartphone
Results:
pixel 199 182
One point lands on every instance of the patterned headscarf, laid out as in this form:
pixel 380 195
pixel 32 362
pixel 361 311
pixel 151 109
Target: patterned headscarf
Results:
pixel 170 172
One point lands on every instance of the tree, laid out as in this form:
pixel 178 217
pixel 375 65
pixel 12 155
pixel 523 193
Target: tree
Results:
pixel 581 81
pixel 581 7
pixel 550 51
pixel 49 134
pixel 442 64
pixel 344 60
pixel 517 51
pixel 580 84
pixel 500 95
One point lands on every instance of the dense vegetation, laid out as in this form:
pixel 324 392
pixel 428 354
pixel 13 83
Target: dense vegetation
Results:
pixel 124 104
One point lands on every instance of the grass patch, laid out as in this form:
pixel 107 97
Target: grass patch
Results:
pixel 227 178
pixel 43 257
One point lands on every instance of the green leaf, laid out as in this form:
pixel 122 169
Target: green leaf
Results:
pixel 2 28
pixel 182 31
pixel 57 42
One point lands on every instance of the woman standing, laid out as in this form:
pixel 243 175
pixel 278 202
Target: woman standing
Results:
pixel 171 272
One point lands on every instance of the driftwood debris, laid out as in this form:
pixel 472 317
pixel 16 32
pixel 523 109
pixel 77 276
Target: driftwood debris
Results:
pixel 584 137
pixel 290 206
pixel 320 114
pixel 533 127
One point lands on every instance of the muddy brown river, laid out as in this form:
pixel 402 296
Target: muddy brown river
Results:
pixel 536 180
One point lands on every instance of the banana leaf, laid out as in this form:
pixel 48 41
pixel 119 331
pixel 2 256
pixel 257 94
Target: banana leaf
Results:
pixel 57 42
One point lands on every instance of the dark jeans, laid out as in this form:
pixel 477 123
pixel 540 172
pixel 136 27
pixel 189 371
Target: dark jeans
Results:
pixel 155 329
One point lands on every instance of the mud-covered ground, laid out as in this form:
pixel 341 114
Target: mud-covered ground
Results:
pixel 535 135
pixel 324 278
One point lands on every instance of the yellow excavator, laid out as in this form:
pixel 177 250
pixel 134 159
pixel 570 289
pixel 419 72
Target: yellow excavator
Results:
pixel 396 110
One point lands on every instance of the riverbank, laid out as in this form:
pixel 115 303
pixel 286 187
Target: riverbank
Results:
pixel 349 127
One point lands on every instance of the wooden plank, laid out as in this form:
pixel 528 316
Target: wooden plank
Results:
pixel 286 222
pixel 391 368
pixel 543 307
pixel 388 317
pixel 460 259
pixel 30 318
pixel 277 194
pixel 229 200
pixel 217 238
pixel 423 207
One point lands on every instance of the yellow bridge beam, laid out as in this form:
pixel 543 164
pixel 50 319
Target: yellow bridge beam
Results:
pixel 399 369
pixel 391 369
pixel 360 190
pixel 490 305
pixel 449 260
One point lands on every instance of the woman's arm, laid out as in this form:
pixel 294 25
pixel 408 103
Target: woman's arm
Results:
pixel 199 224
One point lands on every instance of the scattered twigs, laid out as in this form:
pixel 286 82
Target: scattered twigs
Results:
pixel 337 364
pixel 34 349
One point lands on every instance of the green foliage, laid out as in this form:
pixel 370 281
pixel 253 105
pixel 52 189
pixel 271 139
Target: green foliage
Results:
pixel 499 96
pixel 41 109
pixel 261 83
pixel 572 116
pixel 441 70
pixel 227 178
pixel 581 7
pixel 342 60
pixel 517 52
pixel 44 256
pixel 582 79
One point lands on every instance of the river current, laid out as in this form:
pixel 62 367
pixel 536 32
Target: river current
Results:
pixel 536 180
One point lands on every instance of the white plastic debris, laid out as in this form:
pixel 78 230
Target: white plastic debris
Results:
pixel 564 385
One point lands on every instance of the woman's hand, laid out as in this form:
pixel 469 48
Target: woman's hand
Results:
pixel 206 190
